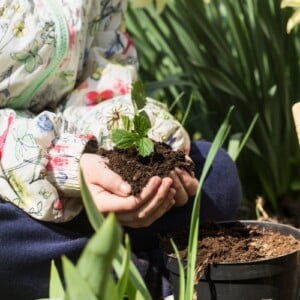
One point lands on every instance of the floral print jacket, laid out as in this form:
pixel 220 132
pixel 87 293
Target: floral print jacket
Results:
pixel 66 68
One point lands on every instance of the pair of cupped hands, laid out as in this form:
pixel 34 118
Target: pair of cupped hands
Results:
pixel 112 194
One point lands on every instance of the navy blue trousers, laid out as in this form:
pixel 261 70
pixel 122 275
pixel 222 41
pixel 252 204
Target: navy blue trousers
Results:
pixel 27 246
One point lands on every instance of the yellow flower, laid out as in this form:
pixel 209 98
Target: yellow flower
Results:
pixel 19 28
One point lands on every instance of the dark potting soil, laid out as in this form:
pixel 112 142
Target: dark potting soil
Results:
pixel 221 243
pixel 137 170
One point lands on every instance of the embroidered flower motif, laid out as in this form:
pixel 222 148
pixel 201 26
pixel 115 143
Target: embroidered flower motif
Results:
pixel 17 7
pixel 20 188
pixel 62 177
pixel 19 28
pixel 58 205
pixel 60 148
pixel 121 87
pixel 57 162
pixel 3 11
pixel 48 33
pixel 129 43
pixel 94 97
pixel 45 193
pixel 4 134
pixel 72 36
pixel 97 73
pixel 44 123
pixel 30 58
pixel 114 116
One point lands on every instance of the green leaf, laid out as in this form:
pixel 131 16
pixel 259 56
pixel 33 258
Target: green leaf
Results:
pixel 95 263
pixel 195 220
pixel 141 125
pixel 136 289
pixel 111 291
pixel 21 56
pixel 127 123
pixel 56 289
pixel 124 274
pixel 181 272
pixel 30 64
pixel 222 82
pixel 145 146
pixel 77 288
pixel 124 139
pixel 35 48
pixel 234 144
pixel 237 144
pixel 138 96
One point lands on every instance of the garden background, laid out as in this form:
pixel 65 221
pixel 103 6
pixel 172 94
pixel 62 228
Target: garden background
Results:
pixel 202 57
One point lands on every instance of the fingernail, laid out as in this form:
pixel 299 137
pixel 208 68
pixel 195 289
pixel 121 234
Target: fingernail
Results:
pixel 125 188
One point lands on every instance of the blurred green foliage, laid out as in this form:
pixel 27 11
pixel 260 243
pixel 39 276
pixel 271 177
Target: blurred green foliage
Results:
pixel 224 53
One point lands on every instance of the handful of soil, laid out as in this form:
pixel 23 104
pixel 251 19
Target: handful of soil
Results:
pixel 137 170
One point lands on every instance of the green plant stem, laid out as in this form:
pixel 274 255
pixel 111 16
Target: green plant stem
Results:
pixel 195 220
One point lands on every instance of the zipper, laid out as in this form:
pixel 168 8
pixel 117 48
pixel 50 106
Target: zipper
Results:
pixel 62 44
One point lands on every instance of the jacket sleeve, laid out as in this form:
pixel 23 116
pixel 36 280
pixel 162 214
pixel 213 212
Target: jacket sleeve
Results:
pixel 40 153
pixel 103 95
pixel 39 164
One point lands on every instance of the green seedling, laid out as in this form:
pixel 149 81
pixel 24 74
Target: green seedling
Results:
pixel 135 131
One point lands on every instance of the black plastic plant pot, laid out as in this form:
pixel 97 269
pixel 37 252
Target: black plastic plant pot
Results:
pixel 268 279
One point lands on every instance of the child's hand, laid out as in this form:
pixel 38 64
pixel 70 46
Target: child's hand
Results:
pixel 112 194
pixel 185 184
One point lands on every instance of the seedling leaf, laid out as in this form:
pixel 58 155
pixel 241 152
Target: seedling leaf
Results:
pixel 126 123
pixel 135 132
pixel 145 146
pixel 141 125
pixel 123 138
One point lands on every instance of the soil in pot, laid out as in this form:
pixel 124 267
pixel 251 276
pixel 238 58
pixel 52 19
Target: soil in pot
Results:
pixel 242 260
pixel 137 170
pixel 220 243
